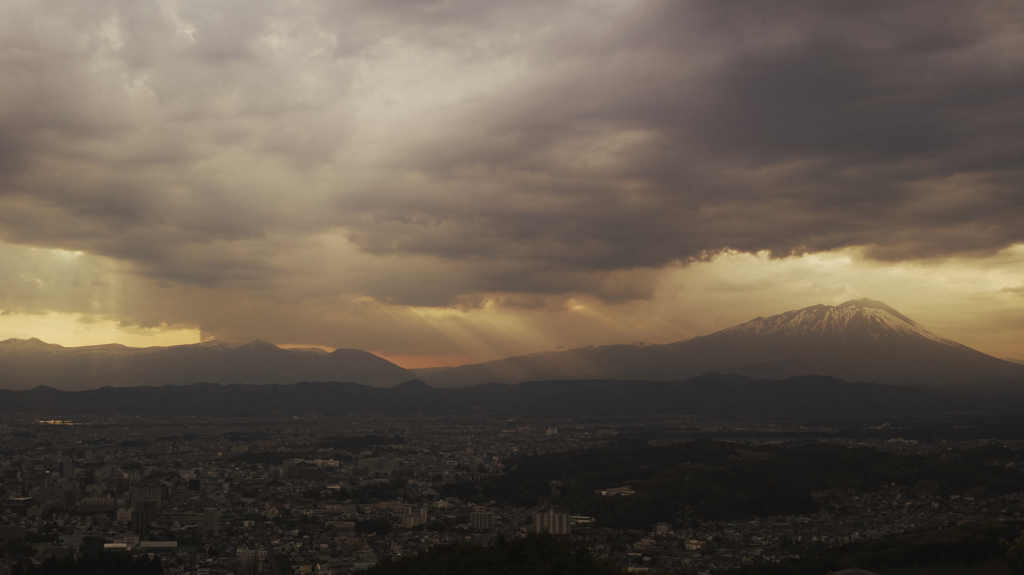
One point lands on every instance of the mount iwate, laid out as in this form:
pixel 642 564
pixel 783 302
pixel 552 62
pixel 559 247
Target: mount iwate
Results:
pixel 859 340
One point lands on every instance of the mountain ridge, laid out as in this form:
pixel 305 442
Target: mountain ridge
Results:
pixel 857 340
pixel 861 340
pixel 25 364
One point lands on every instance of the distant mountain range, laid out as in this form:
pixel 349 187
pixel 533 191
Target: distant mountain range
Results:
pixel 25 364
pixel 859 340
pixel 710 395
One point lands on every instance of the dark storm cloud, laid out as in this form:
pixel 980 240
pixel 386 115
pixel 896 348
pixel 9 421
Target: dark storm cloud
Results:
pixel 218 143
pixel 791 127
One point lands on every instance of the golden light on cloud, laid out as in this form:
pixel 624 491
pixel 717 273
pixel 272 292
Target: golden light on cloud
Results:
pixel 480 180
pixel 956 297
pixel 488 331
pixel 75 330
pixel 678 303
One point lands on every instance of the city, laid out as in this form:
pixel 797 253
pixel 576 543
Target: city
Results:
pixel 338 495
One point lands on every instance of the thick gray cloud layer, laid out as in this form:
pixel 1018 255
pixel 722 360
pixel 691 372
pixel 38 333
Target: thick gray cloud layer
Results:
pixel 504 146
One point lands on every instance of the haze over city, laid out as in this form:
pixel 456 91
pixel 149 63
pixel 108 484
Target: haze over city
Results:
pixel 449 182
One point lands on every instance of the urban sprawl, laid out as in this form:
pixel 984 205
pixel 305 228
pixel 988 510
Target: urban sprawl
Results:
pixel 337 495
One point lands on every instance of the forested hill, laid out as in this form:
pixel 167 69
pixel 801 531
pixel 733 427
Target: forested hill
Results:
pixel 710 394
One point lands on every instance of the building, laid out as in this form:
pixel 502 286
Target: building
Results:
pixel 482 520
pixel 55 496
pixel 146 494
pixel 144 513
pixel 211 520
pixel 551 521
pixel 17 505
pixel 96 504
pixel 249 562
pixel 613 491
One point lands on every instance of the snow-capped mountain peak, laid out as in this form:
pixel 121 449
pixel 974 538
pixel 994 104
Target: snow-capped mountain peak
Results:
pixel 858 340
pixel 854 319
pixel 872 304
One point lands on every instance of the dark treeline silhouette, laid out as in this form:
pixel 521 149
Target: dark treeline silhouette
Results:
pixel 532 555
pixel 965 545
pixel 710 394
pixel 707 480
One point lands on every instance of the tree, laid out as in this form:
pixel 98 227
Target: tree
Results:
pixel 17 548
pixel 377 526
pixel 1015 554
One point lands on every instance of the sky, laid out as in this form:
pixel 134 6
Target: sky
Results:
pixel 445 181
